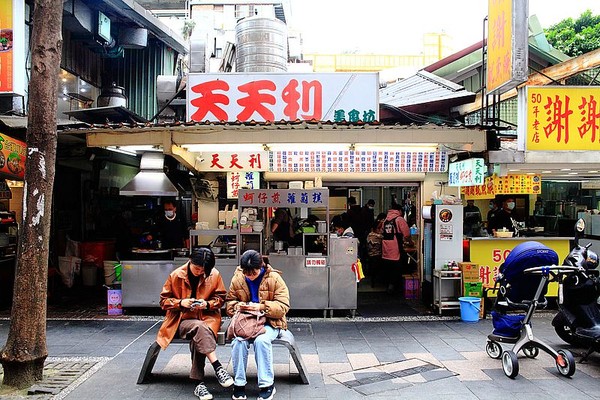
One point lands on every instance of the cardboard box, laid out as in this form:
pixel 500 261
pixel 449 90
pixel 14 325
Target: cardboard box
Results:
pixel 411 287
pixel 470 272
pixel 473 289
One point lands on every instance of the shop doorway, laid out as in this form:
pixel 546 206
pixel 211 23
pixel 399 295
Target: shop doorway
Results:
pixel 383 292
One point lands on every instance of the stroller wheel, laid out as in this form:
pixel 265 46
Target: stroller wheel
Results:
pixel 531 351
pixel 565 363
pixel 493 349
pixel 510 364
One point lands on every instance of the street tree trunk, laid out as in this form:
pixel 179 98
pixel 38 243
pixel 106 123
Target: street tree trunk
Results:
pixel 25 351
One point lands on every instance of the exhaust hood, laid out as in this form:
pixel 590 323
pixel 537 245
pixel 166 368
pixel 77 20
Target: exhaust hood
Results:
pixel 151 180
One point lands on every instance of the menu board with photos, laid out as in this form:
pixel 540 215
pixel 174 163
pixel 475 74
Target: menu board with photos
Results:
pixel 509 184
pixel 358 161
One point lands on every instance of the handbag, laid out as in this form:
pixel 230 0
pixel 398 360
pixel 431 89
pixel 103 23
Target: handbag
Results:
pixel 246 324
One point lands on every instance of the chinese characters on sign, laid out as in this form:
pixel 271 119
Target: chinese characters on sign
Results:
pixel 490 254
pixel 507 45
pixel 315 261
pixel 12 157
pixel 466 173
pixel 358 161
pixel 233 161
pixel 289 97
pixel 499 185
pixel 563 118
pixel 300 198
pixel 239 180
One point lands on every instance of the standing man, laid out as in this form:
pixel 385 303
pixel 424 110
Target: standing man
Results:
pixel 471 219
pixel 282 226
pixel 256 286
pixel 491 215
pixel 505 216
pixel 171 228
pixel 192 297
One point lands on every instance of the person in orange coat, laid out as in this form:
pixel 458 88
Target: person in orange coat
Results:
pixel 192 297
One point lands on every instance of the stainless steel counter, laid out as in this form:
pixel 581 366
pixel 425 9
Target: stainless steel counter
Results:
pixel 142 281
pixel 329 286
pixel 308 287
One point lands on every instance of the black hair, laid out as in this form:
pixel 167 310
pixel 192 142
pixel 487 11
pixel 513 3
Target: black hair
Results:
pixel 351 200
pixel 381 216
pixel 251 260
pixel 371 201
pixel 203 257
pixel 340 221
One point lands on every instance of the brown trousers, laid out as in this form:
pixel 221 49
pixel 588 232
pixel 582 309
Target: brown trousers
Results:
pixel 202 341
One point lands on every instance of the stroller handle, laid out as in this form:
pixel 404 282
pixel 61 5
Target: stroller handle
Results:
pixel 545 270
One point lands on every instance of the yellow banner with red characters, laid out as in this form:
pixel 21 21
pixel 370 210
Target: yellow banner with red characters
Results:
pixel 501 185
pixel 499 60
pixel 563 118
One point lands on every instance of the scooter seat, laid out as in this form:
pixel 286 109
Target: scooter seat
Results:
pixel 593 332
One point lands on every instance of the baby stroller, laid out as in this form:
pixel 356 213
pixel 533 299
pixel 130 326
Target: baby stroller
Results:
pixel 521 285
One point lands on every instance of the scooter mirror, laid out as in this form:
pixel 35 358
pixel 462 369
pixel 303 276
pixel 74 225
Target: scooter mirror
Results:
pixel 580 226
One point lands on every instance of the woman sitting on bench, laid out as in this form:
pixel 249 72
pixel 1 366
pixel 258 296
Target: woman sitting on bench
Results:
pixel 257 286
pixel 192 296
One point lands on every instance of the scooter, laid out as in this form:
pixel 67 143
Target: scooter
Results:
pixel 578 319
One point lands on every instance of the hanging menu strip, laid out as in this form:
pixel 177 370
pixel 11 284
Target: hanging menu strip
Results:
pixel 358 161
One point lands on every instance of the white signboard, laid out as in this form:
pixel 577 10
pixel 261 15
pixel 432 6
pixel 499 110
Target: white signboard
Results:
pixel 315 261
pixel 281 96
pixel 469 172
pixel 239 161
pixel 241 180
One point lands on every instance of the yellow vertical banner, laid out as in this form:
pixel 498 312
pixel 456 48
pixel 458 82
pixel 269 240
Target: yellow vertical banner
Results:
pixel 6 46
pixel 563 118
pixel 499 43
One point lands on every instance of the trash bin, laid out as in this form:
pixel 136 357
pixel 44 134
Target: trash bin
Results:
pixel 469 308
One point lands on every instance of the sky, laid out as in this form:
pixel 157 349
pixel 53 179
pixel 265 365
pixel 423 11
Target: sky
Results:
pixel 397 26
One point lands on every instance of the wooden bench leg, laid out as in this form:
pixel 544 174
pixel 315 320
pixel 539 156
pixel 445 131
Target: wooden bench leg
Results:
pixel 296 356
pixel 149 361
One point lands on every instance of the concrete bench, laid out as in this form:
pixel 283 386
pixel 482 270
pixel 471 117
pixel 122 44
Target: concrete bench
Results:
pixel 285 338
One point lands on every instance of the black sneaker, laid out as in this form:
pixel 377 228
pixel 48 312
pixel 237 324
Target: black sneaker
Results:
pixel 223 377
pixel 239 393
pixel 202 392
pixel 266 393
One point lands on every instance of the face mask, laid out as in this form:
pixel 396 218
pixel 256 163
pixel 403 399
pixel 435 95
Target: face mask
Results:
pixel 491 206
pixel 169 213
pixel 510 205
pixel 371 207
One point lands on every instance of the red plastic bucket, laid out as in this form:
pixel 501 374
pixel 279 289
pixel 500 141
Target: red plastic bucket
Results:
pixel 98 251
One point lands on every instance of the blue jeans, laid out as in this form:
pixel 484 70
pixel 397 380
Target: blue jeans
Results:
pixel 263 353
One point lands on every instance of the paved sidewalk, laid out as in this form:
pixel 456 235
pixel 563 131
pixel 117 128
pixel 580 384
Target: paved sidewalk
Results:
pixel 375 358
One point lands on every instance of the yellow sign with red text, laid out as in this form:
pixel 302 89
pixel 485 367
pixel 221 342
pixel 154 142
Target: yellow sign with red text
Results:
pixel 489 254
pixel 563 118
pixel 499 60
pixel 499 185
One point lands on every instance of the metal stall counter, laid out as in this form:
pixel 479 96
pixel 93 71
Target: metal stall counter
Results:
pixel 307 263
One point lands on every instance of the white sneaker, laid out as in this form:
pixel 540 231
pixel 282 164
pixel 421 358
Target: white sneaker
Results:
pixel 223 377
pixel 202 392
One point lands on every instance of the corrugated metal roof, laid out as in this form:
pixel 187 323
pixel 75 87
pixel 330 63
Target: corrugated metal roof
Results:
pixel 421 88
